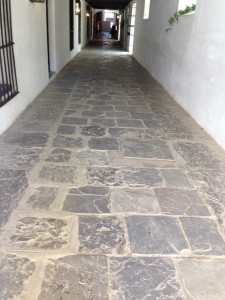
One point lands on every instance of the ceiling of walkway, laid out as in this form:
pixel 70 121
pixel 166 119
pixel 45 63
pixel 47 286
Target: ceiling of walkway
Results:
pixel 108 4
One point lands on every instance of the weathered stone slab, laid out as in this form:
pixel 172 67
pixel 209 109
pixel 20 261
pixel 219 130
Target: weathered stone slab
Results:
pixel 26 139
pixel 130 123
pixel 104 122
pixel 181 202
pixel 203 236
pixel 202 279
pixel 101 235
pixel 12 186
pixel 42 198
pixel 74 121
pixel 42 113
pixel 66 129
pixel 40 233
pixel 117 114
pixel 67 142
pixel 79 277
pixel 134 200
pixel 104 176
pixel 146 149
pixel 93 130
pixel 58 173
pixel 15 273
pixel 176 178
pixel 88 200
pixel 91 158
pixel 155 235
pixel 123 132
pixel 142 177
pixel 59 155
pixel 143 278
pixel 103 143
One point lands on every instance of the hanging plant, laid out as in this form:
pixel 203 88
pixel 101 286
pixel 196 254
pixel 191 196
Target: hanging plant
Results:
pixel 176 16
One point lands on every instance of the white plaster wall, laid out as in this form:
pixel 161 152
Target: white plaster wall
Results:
pixel 30 49
pixel 189 60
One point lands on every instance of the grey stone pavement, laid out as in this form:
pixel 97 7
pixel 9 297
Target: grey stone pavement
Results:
pixel 109 190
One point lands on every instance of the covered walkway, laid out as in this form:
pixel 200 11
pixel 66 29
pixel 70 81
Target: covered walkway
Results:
pixel 109 190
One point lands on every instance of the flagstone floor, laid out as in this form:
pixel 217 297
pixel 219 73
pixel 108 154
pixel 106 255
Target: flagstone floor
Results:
pixel 109 190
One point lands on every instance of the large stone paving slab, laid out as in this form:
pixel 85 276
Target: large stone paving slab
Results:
pixel 202 279
pixel 176 178
pixel 66 174
pixel 13 183
pixel 67 142
pixel 146 149
pixel 104 176
pixel 143 278
pixel 26 139
pixel 42 198
pixel 101 234
pixel 88 200
pixel 103 143
pixel 148 177
pixel 15 273
pixel 75 277
pixel 203 236
pixel 155 235
pixel 59 155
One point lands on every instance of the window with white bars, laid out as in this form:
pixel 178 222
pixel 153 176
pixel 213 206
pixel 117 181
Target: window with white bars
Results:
pixel 8 80
pixel 146 9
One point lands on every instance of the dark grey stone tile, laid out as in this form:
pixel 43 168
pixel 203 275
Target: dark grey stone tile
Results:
pixel 176 178
pixel 26 139
pixel 103 143
pixel 131 109
pixel 143 278
pixel 91 158
pixel 104 176
pixel 203 236
pixel 13 183
pixel 93 114
pixel 155 235
pixel 66 129
pixel 74 121
pixel 104 122
pixel 15 273
pixel 142 177
pixel 143 116
pixel 181 202
pixel 40 233
pixel 87 200
pixel 67 142
pixel 130 123
pixel 93 130
pixel 21 158
pixel 79 277
pixel 59 155
pixel 42 113
pixel 117 114
pixel 202 279
pixel 151 133
pixel 146 149
pixel 134 200
pixel 102 107
pixel 101 234
pixel 35 126
pixel 198 156
pixel 42 198
pixel 58 174
pixel 122 132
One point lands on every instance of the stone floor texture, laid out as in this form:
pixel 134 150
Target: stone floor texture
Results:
pixel 110 191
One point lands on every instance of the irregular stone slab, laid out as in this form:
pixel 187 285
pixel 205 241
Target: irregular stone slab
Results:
pixel 66 129
pixel 93 114
pixel 104 176
pixel 15 273
pixel 130 123
pixel 74 121
pixel 104 122
pixel 198 156
pixel 151 133
pixel 35 126
pixel 42 113
pixel 142 177
pixel 203 236
pixel 98 158
pixel 175 129
pixel 101 234
pixel 176 178
pixel 181 202
pixel 143 278
pixel 59 155
pixel 79 277
pixel 93 131
pixel 143 116
pixel 42 198
pixel 13 183
pixel 68 142
pixel 102 107
pixel 86 200
pixel 146 149
pixel 58 173
pixel 117 114
pixel 26 139
pixel 121 132
pixel 134 200
pixel 21 158
pixel 155 235
pixel 40 233
pixel 202 279
pixel 103 143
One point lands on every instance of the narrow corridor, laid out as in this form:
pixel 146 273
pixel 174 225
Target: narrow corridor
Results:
pixel 109 190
